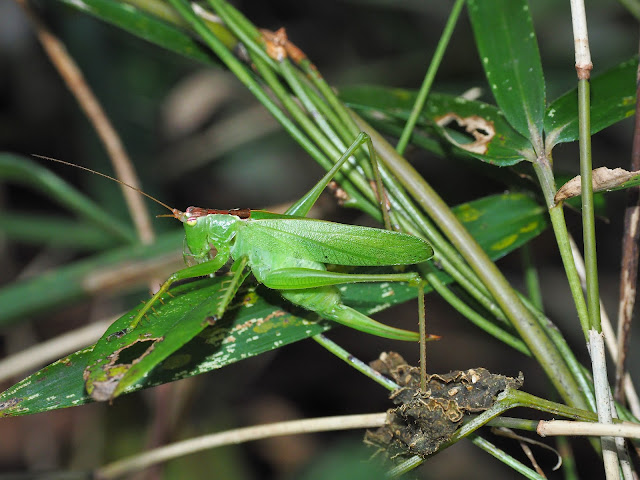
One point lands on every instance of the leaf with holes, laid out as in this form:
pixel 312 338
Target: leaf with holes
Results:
pixel 473 128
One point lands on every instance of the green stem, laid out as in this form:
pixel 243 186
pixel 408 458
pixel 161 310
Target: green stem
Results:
pixel 578 371
pixel 160 9
pixel 362 193
pixel 588 218
pixel 542 168
pixel 473 316
pixel 523 321
pixel 531 278
pixel 505 458
pixel 428 79
pixel 359 365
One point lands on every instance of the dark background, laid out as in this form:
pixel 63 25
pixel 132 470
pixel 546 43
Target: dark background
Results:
pixel 148 92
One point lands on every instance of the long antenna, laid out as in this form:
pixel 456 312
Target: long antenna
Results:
pixel 172 210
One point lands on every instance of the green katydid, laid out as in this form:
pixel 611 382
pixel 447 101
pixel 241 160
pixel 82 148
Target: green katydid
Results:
pixel 288 253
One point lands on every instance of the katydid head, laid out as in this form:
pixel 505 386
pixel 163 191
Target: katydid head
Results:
pixel 205 231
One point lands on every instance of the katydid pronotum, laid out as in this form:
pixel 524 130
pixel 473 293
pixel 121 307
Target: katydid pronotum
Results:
pixel 288 253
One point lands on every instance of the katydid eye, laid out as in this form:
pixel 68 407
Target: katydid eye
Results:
pixel 191 222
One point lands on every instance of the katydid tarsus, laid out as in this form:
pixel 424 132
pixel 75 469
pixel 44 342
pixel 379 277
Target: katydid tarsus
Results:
pixel 289 253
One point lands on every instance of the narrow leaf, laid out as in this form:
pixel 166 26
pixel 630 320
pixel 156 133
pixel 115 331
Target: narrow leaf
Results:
pixel 613 98
pixel 252 326
pixel 117 269
pixel 509 54
pixel 49 231
pixel 24 171
pixel 164 29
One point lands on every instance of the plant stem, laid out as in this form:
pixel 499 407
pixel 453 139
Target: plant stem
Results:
pixel 588 217
pixel 234 437
pixel 359 365
pixel 595 342
pixel 430 75
pixel 475 318
pixel 531 278
pixel 542 168
pixel 505 458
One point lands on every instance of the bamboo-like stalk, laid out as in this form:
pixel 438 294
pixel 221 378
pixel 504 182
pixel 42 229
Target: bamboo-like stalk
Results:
pixel 595 340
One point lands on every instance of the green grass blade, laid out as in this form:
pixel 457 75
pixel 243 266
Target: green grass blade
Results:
pixel 24 171
pixel 613 98
pixel 120 268
pixel 509 54
pixel 50 231
pixel 160 25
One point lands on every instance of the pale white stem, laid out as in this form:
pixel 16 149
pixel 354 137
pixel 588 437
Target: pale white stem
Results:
pixel 609 335
pixel 581 39
pixel 628 470
pixel 547 428
pixel 603 395
pixel 240 435
pixel 30 359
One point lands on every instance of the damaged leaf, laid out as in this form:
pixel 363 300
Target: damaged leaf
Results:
pixel 424 421
pixel 480 129
pixel 471 127
pixel 603 179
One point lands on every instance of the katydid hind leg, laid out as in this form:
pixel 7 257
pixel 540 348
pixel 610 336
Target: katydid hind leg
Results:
pixel 326 302
pixel 380 190
pixel 352 318
pixel 302 206
pixel 303 278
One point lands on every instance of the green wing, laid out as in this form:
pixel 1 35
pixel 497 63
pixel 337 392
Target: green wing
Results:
pixel 336 243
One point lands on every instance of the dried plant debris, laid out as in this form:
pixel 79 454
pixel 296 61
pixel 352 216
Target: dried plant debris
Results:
pixel 425 420
pixel 602 179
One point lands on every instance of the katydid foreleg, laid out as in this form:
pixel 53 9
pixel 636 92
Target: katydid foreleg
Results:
pixel 194 271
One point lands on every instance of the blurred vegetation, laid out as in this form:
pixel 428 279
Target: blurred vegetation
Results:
pixel 198 137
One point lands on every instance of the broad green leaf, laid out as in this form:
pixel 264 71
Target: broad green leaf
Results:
pixel 487 134
pixel 253 325
pixel 178 318
pixel 509 54
pixel 613 98
pixel 24 171
pixel 159 24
